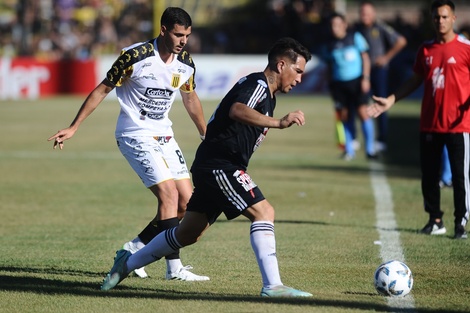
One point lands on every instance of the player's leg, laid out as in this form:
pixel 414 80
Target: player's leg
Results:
pixel 175 268
pixel 146 158
pixel 379 81
pixel 171 240
pixel 263 243
pixel 459 156
pixel 446 173
pixel 367 125
pixel 165 243
pixel 173 189
pixel 431 145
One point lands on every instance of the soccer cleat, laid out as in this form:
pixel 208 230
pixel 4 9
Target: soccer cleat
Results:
pixel 356 145
pixel 460 232
pixel 132 248
pixel 118 271
pixel 184 274
pixel 434 228
pixel 372 156
pixel 380 146
pixel 283 291
pixel 347 156
pixel 443 184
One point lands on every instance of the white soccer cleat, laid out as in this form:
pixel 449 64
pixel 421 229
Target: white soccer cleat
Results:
pixel 283 291
pixel 132 248
pixel 141 272
pixel 184 274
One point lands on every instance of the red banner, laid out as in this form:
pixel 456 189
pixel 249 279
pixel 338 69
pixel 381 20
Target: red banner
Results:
pixel 31 78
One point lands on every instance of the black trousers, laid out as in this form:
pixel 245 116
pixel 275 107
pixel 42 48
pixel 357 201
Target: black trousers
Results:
pixel 458 146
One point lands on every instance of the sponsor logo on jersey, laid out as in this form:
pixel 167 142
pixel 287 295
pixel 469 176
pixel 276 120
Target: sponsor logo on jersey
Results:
pixel 245 181
pixel 175 80
pixel 158 93
pixel 262 83
pixel 155 116
pixel 438 80
pixel 151 76
pixel 242 80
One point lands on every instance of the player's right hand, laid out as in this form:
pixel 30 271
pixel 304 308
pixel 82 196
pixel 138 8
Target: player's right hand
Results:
pixel 60 137
pixel 380 105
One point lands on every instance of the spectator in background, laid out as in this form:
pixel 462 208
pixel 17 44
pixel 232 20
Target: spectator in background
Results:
pixel 446 173
pixel 443 64
pixel 349 70
pixel 384 43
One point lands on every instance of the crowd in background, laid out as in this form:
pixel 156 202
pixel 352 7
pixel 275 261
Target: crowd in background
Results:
pixel 81 29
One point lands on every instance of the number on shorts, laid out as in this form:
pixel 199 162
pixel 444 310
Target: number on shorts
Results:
pixel 180 156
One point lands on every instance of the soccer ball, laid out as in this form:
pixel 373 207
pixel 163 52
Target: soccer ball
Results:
pixel 393 279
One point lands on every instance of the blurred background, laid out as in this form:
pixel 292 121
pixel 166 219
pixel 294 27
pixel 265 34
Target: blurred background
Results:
pixel 83 37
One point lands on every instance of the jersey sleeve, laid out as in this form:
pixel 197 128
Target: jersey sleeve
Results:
pixel 391 36
pixel 253 92
pixel 123 66
pixel 360 42
pixel 190 84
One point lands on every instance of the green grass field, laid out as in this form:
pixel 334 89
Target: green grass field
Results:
pixel 64 214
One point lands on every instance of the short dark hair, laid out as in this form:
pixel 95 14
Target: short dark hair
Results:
pixel 440 3
pixel 335 15
pixel 173 15
pixel 288 47
pixel 367 2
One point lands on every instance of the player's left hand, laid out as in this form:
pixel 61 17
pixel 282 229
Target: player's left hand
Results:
pixel 296 117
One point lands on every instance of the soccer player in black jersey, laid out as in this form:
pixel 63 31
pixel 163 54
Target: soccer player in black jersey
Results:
pixel 222 185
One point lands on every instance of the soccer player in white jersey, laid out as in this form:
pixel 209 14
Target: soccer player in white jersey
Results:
pixel 147 76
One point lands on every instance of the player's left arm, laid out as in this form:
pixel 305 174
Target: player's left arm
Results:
pixel 194 107
pixel 398 42
pixel 242 113
pixel 365 83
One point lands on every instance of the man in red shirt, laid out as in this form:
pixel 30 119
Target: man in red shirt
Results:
pixel 443 64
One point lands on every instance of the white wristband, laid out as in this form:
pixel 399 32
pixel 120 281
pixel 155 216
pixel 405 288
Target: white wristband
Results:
pixel 202 137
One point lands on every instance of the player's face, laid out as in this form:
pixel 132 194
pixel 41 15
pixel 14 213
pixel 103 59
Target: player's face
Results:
pixel 443 19
pixel 338 27
pixel 367 14
pixel 176 38
pixel 291 73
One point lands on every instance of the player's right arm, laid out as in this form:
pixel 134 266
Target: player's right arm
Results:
pixel 383 104
pixel 88 106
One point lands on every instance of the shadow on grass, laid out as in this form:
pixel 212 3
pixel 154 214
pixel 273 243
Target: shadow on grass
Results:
pixel 26 283
pixel 307 222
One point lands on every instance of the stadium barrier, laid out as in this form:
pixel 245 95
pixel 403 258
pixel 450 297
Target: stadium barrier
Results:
pixel 29 78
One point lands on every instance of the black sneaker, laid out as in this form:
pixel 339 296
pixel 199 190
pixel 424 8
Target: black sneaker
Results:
pixel 434 228
pixel 372 156
pixel 460 232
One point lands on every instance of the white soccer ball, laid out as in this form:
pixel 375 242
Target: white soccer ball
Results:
pixel 393 279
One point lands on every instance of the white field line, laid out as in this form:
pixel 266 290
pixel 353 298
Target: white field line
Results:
pixel 60 155
pixel 389 237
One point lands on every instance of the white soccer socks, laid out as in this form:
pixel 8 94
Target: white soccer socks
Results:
pixel 263 243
